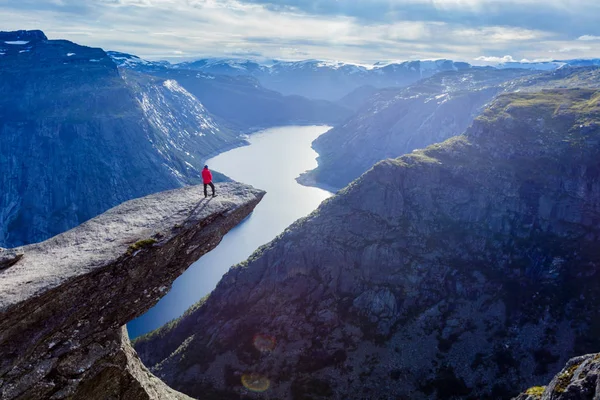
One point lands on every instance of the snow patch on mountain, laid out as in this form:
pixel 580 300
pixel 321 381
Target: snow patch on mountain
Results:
pixel 538 66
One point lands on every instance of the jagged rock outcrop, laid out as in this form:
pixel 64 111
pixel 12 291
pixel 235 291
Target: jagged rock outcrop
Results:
pixel 467 270
pixel 64 301
pixel 78 139
pixel 579 380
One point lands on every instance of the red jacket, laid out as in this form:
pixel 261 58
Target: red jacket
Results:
pixel 206 176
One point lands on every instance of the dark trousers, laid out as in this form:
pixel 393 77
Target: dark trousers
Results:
pixel 212 185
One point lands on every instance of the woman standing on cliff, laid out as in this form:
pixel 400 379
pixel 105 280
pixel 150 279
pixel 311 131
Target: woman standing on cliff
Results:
pixel 207 179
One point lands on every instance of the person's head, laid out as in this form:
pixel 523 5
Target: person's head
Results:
pixel 206 167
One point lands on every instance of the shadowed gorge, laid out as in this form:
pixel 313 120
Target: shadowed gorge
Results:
pixel 63 301
pixel 468 269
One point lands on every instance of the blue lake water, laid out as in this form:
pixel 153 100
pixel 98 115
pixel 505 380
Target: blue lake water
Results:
pixel 272 162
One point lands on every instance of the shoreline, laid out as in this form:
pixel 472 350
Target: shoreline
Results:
pixel 307 179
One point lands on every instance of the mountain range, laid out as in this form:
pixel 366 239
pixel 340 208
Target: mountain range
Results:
pixel 460 259
pixel 328 80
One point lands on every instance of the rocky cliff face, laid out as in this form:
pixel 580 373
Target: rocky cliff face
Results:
pixel 78 139
pixel 469 269
pixel 63 301
pixel 400 121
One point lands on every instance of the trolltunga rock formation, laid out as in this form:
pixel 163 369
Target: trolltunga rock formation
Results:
pixel 63 302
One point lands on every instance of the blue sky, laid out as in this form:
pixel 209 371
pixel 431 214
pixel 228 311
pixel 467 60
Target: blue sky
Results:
pixel 477 31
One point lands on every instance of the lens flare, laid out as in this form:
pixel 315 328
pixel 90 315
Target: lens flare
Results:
pixel 255 382
pixel 264 343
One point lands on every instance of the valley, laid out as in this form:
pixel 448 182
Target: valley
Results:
pixel 421 229
pixel 272 162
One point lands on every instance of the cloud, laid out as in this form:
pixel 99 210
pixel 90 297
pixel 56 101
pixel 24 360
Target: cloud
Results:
pixel 348 30
pixel 567 18
pixel 492 59
pixel 588 37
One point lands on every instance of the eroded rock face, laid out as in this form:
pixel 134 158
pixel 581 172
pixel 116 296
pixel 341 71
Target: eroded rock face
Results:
pixel 63 303
pixel 580 379
pixel 467 270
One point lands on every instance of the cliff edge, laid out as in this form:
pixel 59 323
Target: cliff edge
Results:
pixel 63 301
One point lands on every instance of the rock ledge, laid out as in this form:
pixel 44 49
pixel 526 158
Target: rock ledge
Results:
pixel 63 301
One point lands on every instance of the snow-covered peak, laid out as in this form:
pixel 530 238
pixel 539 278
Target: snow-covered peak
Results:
pixel 131 61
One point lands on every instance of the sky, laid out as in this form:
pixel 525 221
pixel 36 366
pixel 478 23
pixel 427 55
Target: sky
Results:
pixel 476 31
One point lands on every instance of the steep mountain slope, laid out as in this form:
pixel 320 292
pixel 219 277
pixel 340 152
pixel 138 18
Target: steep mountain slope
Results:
pixel 77 139
pixel 469 269
pixel 397 121
pixel 189 134
pixel 245 105
pixel 358 98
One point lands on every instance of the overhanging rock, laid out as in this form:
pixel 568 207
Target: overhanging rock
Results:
pixel 64 301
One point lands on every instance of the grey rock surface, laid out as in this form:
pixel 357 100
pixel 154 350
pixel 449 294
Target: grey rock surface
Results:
pixel 580 379
pixel 63 303
pixel 466 270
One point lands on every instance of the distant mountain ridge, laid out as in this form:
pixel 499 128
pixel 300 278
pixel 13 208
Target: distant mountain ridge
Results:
pixel 239 100
pixel 329 80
